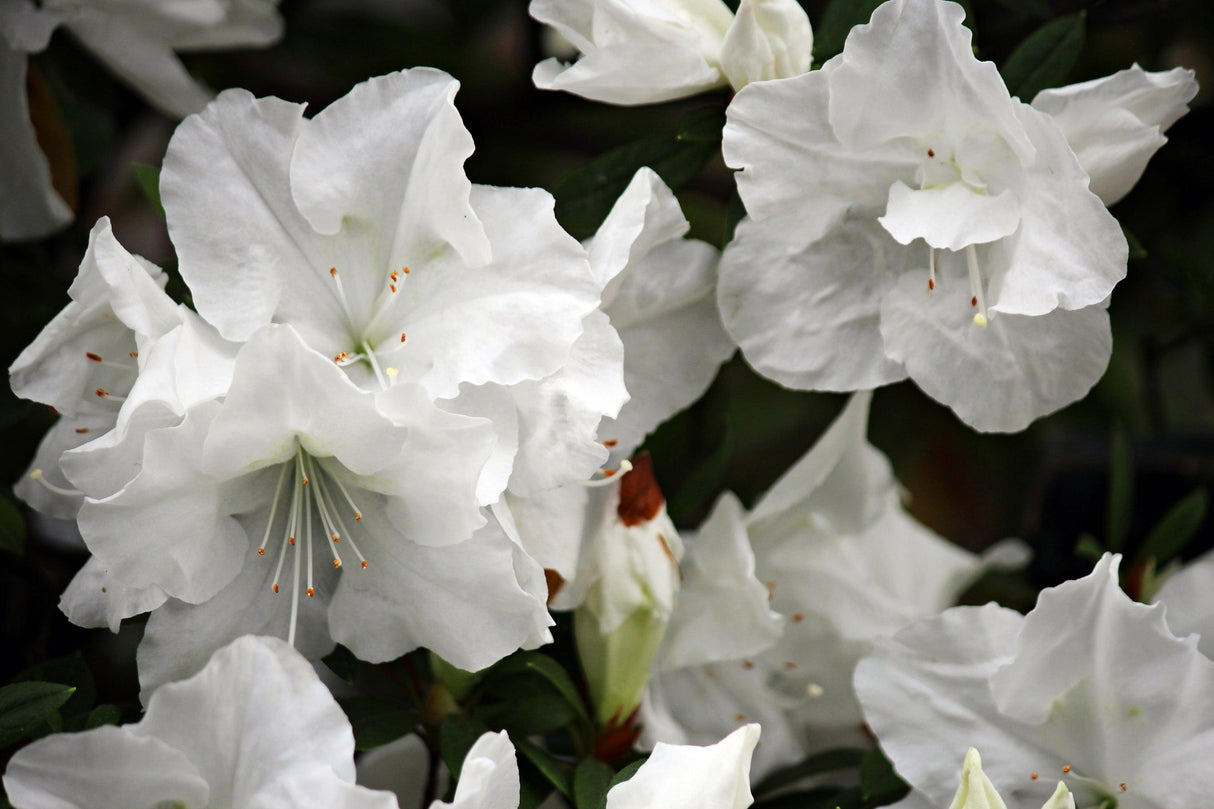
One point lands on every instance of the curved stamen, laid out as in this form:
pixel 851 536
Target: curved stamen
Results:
pixel 609 475
pixel 379 374
pixel 977 299
pixel 37 475
pixel 282 476
pixel 931 268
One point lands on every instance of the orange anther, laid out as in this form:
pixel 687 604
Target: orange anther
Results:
pixel 358 516
pixel 392 287
pixel 1123 786
pixel 930 285
pixel 333 271
pixel 405 270
pixel 133 354
pixel 1066 768
pixel 931 152
pixel 261 551
pixel 402 337
pixel 336 564
pixel 337 537
pixel 610 442
pixel 305 481
pixel 364 564
pixel 974 301
pixel 609 472
pixel 102 392
pixel 81 430
pixel 1033 775
pixel 274 587
pixel 92 356
pixel 291 540
pixel 311 593
pixel 798 617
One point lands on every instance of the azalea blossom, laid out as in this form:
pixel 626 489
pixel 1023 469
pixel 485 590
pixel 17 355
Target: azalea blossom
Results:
pixel 643 51
pixel 255 727
pixel 1090 687
pixel 911 218
pixel 831 550
pixel 1116 123
pixel 138 41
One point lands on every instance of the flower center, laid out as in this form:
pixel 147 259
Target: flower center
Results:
pixel 363 339
pixel 114 376
pixel 314 491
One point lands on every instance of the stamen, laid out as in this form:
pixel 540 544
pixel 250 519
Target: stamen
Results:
pixel 405 270
pixel 814 691
pixel 1066 768
pixel 133 354
pixel 610 442
pixel 308 537
pixel 323 507
pixel 36 475
pixel 392 373
pixel 97 358
pixel 403 337
pixel 931 268
pixel 971 261
pixel 375 365
pixel 341 295
pixel 282 476
pixel 102 393
pixel 92 356
pixel 609 475
pixel 81 430
pixel 1033 776
pixel 358 515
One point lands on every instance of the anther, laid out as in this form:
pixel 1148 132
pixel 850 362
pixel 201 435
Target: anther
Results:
pixel 311 592
pixel 392 287
pixel 336 537
pixel 92 356
pixel 748 665
pixel 1123 786
pixel 336 564
pixel 364 564
pixel 405 270
pixel 274 587
pixel 102 392
pixel 291 539
pixel 333 271
pixel 1033 776
pixel 974 301
pixel 133 354
pixel 81 430
pixel 931 285
pixel 739 717
pixel 261 551
pixel 402 337
pixel 814 691
pixel 931 152
pixel 798 617
pixel 1066 768
pixel 971 261
pixel 610 442
pixel 36 475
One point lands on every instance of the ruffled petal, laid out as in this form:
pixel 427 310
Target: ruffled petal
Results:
pixel 685 777
pixel 808 316
pixel 488 778
pixel 769 39
pixel 95 599
pixel 951 217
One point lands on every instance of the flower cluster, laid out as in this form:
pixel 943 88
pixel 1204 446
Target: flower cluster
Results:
pixel 401 411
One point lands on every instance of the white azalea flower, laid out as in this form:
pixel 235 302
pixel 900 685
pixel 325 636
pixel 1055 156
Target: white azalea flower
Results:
pixel 642 51
pixel 138 41
pixel 245 511
pixel 843 564
pixel 1116 123
pixel 1089 687
pixel 254 728
pixel 912 219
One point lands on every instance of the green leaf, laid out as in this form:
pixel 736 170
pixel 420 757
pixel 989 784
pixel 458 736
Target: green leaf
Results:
pixel 627 772
pixel 26 706
pixel 543 666
pixel 591 780
pixel 377 722
pixel 103 715
pixel 1029 8
pixel 1046 57
pixel 837 21
pixel 456 735
pixel 842 758
pixel 557 773
pixel 342 662
pixel 1121 490
pixel 73 671
pixel 879 784
pixel 148 178
pixel 585 195
pixel 12 527
pixel 1172 533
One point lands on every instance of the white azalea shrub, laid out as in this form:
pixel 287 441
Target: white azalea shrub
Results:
pixel 381 474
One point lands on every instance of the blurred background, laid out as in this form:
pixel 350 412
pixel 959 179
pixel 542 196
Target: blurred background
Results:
pixel 1112 468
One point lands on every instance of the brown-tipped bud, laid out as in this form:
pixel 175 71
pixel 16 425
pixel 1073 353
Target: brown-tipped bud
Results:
pixel 640 497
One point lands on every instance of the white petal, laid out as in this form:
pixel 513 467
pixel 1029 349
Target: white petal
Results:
pixel 646 215
pixel 64 435
pixel 146 63
pixel 1069 251
pixel 96 599
pixel 1114 124
pixel 951 217
pixel 30 208
pixel 911 71
pixel 808 316
pixel 926 696
pixel 464 601
pixel 284 397
pixel 391 152
pixel 635 54
pixel 794 170
pixel 244 248
pixel 550 526
pixel 722 613
pixel 513 319
pixel 489 776
pixel 401 767
pixel 559 416
pixel 1190 606
pixel 769 39
pixel 255 718
pixel 685 777
pixel 171 525
pixel 106 768
pixel 997 378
